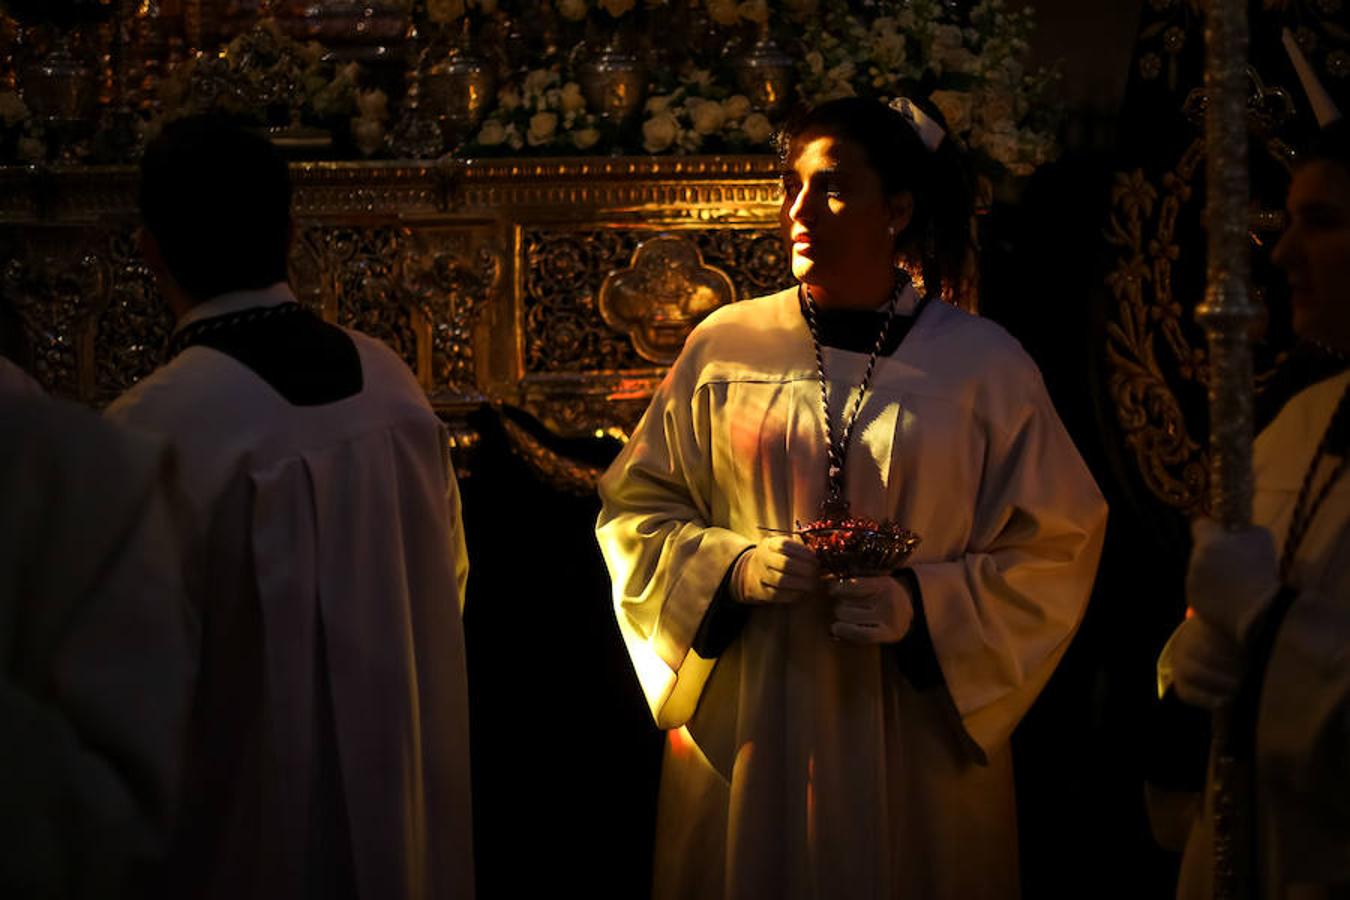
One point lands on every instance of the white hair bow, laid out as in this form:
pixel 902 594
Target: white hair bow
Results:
pixel 925 126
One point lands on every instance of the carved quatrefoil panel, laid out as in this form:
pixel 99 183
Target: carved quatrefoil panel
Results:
pixel 666 290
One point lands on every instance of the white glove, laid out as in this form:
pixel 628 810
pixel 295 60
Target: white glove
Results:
pixel 1232 577
pixel 872 610
pixel 780 570
pixel 1206 664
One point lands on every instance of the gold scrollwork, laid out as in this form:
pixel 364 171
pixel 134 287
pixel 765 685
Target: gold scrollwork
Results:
pixel 55 283
pixel 564 329
pixel 665 291
pixel 1170 461
pixel 559 471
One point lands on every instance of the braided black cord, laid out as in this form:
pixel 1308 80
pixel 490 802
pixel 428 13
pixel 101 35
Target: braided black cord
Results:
pixel 837 452
pixel 189 334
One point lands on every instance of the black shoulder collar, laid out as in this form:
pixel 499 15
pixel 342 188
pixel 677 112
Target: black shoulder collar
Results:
pixel 303 358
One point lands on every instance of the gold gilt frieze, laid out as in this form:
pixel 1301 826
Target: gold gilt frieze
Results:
pixel 485 276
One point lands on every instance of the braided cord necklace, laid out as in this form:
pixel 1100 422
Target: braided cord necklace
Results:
pixel 1304 509
pixel 835 506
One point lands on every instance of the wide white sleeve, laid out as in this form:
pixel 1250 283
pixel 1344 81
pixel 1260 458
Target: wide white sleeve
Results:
pixel 666 557
pixel 1001 615
pixel 1303 733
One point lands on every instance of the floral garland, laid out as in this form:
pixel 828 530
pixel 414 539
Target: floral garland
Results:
pixel 970 66
pixel 968 60
pixel 968 63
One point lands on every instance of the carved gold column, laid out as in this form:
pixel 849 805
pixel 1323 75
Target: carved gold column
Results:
pixel 1228 314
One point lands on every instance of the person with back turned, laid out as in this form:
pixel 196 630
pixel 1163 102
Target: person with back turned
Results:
pixel 329 753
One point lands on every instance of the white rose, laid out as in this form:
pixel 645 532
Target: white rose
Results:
pixel 575 10
pixel 756 11
pixel 368 135
pixel 537 81
pixel 949 51
pixel 700 77
pixel 842 72
pixel 585 138
pixel 508 98
pixel 723 12
pixel 513 138
pixel 30 149
pixel 998 110
pixel 815 62
pixel 372 104
pixel 800 9
pixel 737 106
pixel 889 49
pixel 442 11
pixel 571 99
pixel 757 128
pixel 955 107
pixel 492 133
pixel 657 104
pixel 12 108
pixel 543 126
pixel 707 117
pixel 659 132
pixel 836 89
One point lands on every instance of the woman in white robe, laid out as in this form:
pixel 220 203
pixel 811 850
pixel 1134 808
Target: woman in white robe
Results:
pixel 833 747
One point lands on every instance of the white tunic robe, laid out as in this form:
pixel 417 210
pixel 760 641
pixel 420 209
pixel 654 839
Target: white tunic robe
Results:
pixel 336 557
pixel 815 769
pixel 97 651
pixel 1303 725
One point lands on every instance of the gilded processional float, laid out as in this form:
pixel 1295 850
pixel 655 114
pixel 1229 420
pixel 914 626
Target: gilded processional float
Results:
pixel 533 205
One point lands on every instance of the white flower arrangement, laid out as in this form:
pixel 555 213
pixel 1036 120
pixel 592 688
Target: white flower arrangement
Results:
pixel 21 138
pixel 698 116
pixel 541 114
pixel 443 12
pixel 577 10
pixel 969 64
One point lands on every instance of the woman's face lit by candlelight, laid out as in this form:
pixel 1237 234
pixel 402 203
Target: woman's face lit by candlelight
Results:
pixel 841 225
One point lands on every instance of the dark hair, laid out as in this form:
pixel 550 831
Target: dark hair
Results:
pixel 938 239
pixel 1331 144
pixel 217 199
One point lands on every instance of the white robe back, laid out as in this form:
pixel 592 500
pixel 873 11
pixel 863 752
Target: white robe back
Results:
pixel 338 528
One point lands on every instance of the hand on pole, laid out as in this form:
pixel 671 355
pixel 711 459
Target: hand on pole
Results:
pixel 1232 577
pixel 1207 664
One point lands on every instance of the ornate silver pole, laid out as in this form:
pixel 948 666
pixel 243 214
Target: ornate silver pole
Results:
pixel 1228 315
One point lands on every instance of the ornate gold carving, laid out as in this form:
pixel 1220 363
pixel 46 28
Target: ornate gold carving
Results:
pixel 359 276
pixel 392 188
pixel 416 254
pixel 559 471
pixel 452 284
pixel 564 330
pixel 132 326
pixel 665 291
pixel 54 284
pixel 418 291
pixel 1149 320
